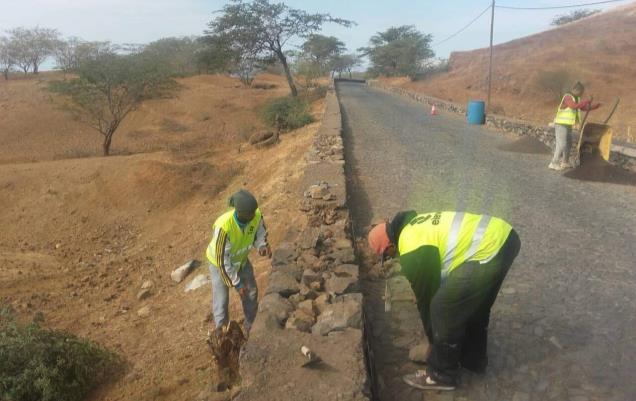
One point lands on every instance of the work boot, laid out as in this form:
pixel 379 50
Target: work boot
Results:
pixel 554 166
pixel 422 380
pixel 565 165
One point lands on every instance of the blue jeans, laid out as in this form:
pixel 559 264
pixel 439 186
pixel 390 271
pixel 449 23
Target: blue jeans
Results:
pixel 221 296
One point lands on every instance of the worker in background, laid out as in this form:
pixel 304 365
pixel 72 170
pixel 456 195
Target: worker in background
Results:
pixel 568 115
pixel 235 233
pixel 455 263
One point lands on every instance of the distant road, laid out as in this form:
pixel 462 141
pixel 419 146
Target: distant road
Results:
pixel 564 327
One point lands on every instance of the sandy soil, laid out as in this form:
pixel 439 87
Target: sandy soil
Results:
pixel 81 233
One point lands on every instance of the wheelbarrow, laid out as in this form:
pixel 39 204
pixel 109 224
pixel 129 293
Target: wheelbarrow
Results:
pixel 595 138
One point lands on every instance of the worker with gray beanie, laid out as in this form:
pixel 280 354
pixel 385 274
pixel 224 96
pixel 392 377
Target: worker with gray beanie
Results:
pixel 235 233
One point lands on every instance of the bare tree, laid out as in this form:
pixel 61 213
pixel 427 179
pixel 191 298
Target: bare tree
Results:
pixel 71 53
pixel 33 46
pixel 111 87
pixel 262 28
pixel 6 56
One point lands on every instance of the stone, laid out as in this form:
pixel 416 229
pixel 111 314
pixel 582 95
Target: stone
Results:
pixel 283 284
pixel 310 276
pixel 300 320
pixel 308 306
pixel 316 286
pixel 508 291
pixel 144 312
pixel 296 299
pixel 307 292
pixel 283 254
pixel 419 353
pixel 182 271
pixel 347 271
pixel 555 342
pixel 342 243
pixel 339 315
pixel 318 191
pixel 344 256
pixel 309 238
pixel 341 285
pixel 307 259
pixel 277 306
pixel 143 294
pixel 147 285
pixel 197 282
pixel 289 269
pixel 322 302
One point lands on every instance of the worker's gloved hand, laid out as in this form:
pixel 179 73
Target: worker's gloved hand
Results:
pixel 265 251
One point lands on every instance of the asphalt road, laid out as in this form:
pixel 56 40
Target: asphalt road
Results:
pixel 564 325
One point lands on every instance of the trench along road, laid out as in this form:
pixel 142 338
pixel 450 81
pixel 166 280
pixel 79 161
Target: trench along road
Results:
pixel 564 324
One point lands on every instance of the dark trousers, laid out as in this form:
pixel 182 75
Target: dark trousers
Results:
pixel 460 313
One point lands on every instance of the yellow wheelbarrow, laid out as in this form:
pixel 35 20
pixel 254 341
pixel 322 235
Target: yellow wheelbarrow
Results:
pixel 595 138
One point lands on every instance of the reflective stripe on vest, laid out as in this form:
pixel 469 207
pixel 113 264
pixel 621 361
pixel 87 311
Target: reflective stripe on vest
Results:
pixel 241 240
pixel 567 116
pixel 459 237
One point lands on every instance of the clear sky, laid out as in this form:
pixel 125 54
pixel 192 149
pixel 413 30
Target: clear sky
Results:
pixel 142 21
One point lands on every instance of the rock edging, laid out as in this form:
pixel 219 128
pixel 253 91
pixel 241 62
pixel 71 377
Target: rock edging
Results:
pixel 621 155
pixel 312 298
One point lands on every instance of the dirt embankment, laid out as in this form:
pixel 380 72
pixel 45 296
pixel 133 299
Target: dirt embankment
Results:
pixel 599 50
pixel 81 235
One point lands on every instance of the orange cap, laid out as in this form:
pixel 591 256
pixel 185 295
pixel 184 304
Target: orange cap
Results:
pixel 379 239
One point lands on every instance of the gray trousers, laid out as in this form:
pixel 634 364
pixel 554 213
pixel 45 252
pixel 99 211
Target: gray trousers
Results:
pixel 563 136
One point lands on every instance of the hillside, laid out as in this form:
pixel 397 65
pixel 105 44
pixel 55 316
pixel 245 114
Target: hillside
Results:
pixel 599 50
pixel 81 232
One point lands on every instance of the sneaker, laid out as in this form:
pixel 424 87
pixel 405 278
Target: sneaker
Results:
pixel 420 379
pixel 554 166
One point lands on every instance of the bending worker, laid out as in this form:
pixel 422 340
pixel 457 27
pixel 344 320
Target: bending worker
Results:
pixel 235 233
pixel 568 115
pixel 455 263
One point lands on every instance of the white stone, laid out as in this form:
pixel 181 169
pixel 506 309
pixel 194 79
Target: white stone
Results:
pixel 197 282
pixel 182 271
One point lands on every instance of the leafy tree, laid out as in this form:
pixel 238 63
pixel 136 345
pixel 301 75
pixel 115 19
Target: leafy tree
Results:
pixel 346 63
pixel 259 29
pixel 322 51
pixel 398 51
pixel 215 55
pixel 33 46
pixel 572 16
pixel 179 54
pixel 110 87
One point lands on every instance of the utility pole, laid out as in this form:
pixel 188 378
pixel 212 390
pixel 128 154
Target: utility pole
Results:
pixel 492 25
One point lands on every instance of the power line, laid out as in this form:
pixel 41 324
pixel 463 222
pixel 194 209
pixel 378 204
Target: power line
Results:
pixel 462 29
pixel 558 7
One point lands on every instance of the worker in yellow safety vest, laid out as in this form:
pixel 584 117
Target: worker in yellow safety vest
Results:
pixel 234 234
pixel 455 263
pixel 568 115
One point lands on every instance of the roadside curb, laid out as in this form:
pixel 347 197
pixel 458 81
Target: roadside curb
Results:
pixel 313 296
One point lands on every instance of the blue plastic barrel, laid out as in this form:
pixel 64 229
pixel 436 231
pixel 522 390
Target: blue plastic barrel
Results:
pixel 476 112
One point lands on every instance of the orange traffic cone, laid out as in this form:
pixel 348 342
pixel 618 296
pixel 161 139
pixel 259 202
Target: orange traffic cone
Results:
pixel 433 110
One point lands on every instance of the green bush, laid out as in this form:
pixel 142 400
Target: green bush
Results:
pixel 47 365
pixel 287 113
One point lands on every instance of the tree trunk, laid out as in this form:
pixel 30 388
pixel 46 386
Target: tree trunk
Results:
pixel 106 145
pixel 290 80
pixel 35 68
pixel 6 74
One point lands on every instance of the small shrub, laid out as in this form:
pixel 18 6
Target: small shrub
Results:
pixel 572 16
pixel 287 113
pixel 49 365
pixel 172 126
pixel 428 71
pixel 557 82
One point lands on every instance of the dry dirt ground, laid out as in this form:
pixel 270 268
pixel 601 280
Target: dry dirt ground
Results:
pixel 81 233
pixel 600 51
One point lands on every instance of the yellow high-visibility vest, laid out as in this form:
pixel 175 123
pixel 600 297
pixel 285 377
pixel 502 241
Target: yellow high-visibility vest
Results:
pixel 241 240
pixel 567 116
pixel 459 236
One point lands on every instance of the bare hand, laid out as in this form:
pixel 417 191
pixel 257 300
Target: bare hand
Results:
pixel 265 251
pixel 242 292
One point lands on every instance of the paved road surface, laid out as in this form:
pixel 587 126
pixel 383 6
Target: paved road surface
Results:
pixel 564 326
